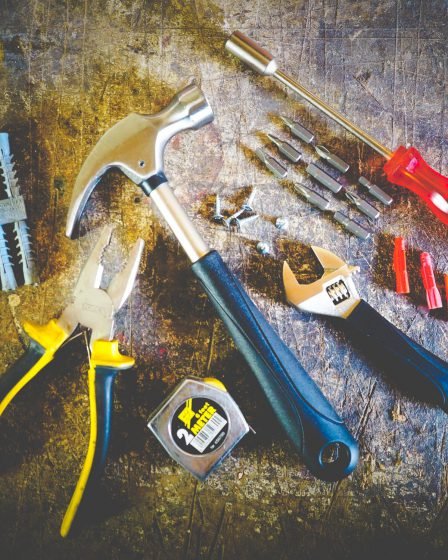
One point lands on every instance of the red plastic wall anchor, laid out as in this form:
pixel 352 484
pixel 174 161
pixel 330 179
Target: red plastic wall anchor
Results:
pixel 429 282
pixel 401 272
pixel 408 169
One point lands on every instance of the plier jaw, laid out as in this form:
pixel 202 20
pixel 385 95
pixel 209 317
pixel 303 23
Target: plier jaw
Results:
pixel 333 294
pixel 94 308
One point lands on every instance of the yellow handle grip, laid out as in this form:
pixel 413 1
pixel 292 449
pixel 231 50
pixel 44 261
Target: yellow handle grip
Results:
pixel 105 363
pixel 45 340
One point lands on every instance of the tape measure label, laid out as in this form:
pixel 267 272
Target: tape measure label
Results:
pixel 199 426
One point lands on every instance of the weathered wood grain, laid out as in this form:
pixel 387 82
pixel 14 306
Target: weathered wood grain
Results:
pixel 68 71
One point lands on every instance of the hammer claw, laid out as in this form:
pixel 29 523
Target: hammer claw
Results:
pixel 135 145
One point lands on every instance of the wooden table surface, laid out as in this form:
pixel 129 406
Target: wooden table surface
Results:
pixel 69 70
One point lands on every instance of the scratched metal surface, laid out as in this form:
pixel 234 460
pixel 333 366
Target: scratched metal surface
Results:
pixel 68 71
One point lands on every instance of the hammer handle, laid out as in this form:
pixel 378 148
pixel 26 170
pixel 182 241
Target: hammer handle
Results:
pixel 307 417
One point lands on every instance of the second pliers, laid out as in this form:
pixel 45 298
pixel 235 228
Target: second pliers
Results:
pixel 92 308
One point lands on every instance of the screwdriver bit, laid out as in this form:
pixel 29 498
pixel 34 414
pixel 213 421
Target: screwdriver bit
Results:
pixel 375 191
pixel 312 197
pixel 272 164
pixel 285 148
pixel 299 130
pixel 323 178
pixel 362 205
pixel 351 226
pixel 332 159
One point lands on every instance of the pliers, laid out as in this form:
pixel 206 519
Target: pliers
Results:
pixel 92 308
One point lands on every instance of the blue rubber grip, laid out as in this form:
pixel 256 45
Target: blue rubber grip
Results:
pixel 98 445
pixel 418 371
pixel 104 391
pixel 307 417
pixel 100 428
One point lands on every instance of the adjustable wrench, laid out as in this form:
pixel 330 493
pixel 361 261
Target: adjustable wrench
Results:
pixel 335 294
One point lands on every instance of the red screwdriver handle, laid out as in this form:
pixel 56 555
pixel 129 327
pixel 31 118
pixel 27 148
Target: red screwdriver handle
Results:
pixel 408 169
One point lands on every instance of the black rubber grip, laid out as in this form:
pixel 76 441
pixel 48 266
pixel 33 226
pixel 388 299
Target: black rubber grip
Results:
pixel 20 368
pixel 418 371
pixel 104 393
pixel 101 403
pixel 320 436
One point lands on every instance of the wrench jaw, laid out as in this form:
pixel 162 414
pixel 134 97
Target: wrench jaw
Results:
pixel 334 294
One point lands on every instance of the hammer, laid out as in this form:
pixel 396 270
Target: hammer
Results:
pixel 136 146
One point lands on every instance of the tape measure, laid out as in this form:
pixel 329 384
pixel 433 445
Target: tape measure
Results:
pixel 198 424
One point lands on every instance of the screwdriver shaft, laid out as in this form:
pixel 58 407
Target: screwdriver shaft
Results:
pixel 332 113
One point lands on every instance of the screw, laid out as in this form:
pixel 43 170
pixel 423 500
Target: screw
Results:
pixel 281 224
pixel 218 217
pixel 233 217
pixel 247 206
pixel 248 220
pixel 263 248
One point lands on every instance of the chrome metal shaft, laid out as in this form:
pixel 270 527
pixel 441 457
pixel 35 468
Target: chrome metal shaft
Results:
pixel 332 113
pixel 264 63
pixel 180 224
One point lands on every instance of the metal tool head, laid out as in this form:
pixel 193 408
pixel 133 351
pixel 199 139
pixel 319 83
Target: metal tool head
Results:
pixel 135 145
pixel 94 307
pixel 334 294
pixel 251 53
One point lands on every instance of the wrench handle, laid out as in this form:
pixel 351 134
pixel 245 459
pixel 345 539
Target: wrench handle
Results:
pixel 417 370
pixel 305 414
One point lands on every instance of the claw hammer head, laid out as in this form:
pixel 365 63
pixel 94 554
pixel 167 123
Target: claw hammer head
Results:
pixel 136 144
pixel 334 294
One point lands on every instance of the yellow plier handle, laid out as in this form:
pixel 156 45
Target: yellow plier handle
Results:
pixel 45 340
pixel 105 362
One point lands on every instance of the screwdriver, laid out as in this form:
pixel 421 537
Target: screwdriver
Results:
pixel 404 167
